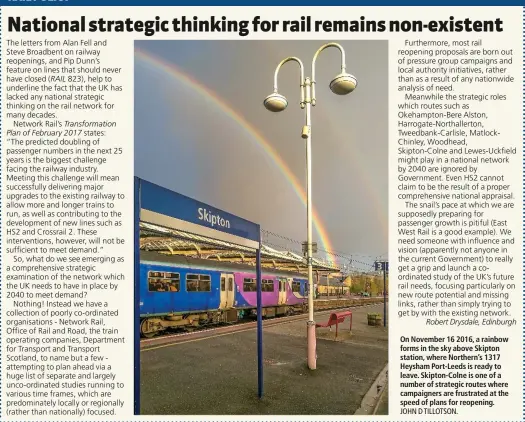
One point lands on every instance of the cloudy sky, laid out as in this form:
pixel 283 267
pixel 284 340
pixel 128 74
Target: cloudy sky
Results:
pixel 201 130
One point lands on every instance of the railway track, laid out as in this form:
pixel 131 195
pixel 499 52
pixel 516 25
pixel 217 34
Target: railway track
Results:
pixel 203 332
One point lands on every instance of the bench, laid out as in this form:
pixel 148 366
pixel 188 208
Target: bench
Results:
pixel 335 319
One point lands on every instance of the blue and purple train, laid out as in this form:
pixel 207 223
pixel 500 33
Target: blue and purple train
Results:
pixel 177 291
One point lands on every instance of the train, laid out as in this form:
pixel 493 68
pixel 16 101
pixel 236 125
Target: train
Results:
pixel 183 292
pixel 324 290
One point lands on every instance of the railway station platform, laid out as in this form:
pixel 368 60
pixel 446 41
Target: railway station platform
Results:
pixel 342 302
pixel 217 374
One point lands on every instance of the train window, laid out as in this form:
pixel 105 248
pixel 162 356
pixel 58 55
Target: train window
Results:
pixel 267 286
pixel 192 283
pixel 230 285
pixel 296 286
pixel 163 282
pixel 198 283
pixel 249 285
pixel 223 284
pixel 205 283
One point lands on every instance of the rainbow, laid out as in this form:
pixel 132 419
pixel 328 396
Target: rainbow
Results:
pixel 173 71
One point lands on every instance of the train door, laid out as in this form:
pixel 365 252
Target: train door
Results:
pixel 224 292
pixel 230 291
pixel 303 288
pixel 282 291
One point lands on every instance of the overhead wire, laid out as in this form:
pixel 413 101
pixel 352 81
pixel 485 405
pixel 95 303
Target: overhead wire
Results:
pixel 353 264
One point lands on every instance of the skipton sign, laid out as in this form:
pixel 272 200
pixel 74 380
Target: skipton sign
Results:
pixel 166 208
pixel 214 220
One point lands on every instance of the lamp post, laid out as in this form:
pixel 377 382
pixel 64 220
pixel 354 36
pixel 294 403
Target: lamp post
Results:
pixel 342 84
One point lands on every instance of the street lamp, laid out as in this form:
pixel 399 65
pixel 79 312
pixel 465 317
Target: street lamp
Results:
pixel 342 84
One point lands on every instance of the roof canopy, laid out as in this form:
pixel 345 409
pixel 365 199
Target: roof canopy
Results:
pixel 176 242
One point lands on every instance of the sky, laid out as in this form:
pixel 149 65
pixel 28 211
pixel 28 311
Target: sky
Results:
pixel 201 130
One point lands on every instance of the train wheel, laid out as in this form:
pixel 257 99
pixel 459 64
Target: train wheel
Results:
pixel 148 328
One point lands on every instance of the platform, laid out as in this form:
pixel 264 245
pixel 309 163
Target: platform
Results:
pixel 342 302
pixel 217 375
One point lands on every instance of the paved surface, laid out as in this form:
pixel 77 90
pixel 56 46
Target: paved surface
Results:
pixel 218 375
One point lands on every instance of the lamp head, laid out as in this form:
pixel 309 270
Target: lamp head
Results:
pixel 275 102
pixel 343 84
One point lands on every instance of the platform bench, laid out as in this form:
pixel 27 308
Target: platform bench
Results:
pixel 335 319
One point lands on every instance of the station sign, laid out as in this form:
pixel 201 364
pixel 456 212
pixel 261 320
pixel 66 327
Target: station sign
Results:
pixel 381 266
pixel 170 209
